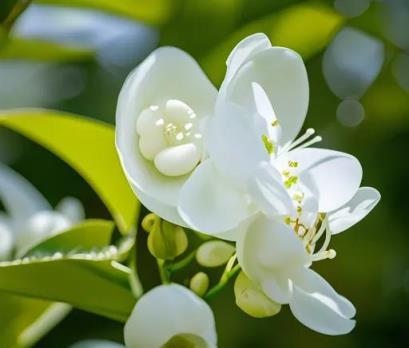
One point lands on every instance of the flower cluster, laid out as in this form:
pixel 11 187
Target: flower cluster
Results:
pixel 29 218
pixel 228 163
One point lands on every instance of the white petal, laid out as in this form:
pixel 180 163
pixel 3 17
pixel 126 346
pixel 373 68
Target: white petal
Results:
pixel 266 111
pixel 6 241
pixel 165 211
pixel 178 160
pixel 267 252
pixel 282 75
pixel 166 311
pixel 39 227
pixel 72 209
pixel 354 211
pixel 315 304
pixel 234 142
pixel 332 177
pixel 19 197
pixel 96 344
pixel 210 204
pixel 168 73
pixel 243 52
pixel 311 282
pixel 267 190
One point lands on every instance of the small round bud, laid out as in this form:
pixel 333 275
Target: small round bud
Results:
pixel 149 221
pixel 199 283
pixel 167 241
pixel 214 253
pixel 251 300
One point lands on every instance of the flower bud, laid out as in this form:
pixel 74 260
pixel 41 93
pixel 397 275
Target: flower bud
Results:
pixel 199 283
pixel 149 221
pixel 214 253
pixel 166 241
pixel 251 300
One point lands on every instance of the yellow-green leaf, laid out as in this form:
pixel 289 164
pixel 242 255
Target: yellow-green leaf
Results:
pixel 40 50
pixel 23 321
pixel 89 147
pixel 91 281
pixel 148 11
pixel 306 28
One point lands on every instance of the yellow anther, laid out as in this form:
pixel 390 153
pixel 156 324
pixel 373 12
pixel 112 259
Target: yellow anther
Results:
pixel 268 144
pixel 293 164
pixel 274 123
pixel 286 173
pixel 292 180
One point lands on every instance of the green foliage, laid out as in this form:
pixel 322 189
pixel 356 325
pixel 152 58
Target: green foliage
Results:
pixel 89 278
pixel 40 50
pixel 148 11
pixel 91 281
pixel 89 147
pixel 25 320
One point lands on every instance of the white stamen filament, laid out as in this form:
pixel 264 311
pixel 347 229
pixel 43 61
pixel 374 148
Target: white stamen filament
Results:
pixel 305 136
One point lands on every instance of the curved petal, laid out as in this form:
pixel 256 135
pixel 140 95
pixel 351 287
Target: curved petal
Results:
pixel 7 241
pixel 19 197
pixel 167 212
pixel 282 74
pixel 354 211
pixel 332 177
pixel 96 344
pixel 72 209
pixel 319 312
pixel 234 142
pixel 168 311
pixel 39 227
pixel 267 252
pixel 311 282
pixel 210 204
pixel 167 73
pixel 243 52
pixel 267 190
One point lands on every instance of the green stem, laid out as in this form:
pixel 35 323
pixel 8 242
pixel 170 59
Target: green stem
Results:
pixel 224 280
pixel 163 271
pixel 17 10
pixel 182 263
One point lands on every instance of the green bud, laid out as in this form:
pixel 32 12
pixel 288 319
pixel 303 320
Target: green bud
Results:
pixel 149 221
pixel 251 300
pixel 199 283
pixel 214 253
pixel 166 241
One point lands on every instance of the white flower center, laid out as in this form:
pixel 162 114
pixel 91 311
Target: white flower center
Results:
pixel 170 137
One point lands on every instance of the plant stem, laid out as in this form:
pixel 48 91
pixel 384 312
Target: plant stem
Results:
pixel 224 280
pixel 182 263
pixel 163 271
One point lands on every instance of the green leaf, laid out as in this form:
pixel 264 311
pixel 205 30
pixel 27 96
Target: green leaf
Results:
pixel 40 50
pixel 23 321
pixel 6 7
pixel 89 147
pixel 91 281
pixel 306 28
pixel 148 11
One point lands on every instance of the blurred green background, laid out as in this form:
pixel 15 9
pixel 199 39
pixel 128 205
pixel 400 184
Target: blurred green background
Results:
pixel 357 55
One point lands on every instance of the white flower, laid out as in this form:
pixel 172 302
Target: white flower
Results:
pixel 170 316
pixel 254 163
pixel 30 219
pixel 277 257
pixel 160 118
pixel 96 344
